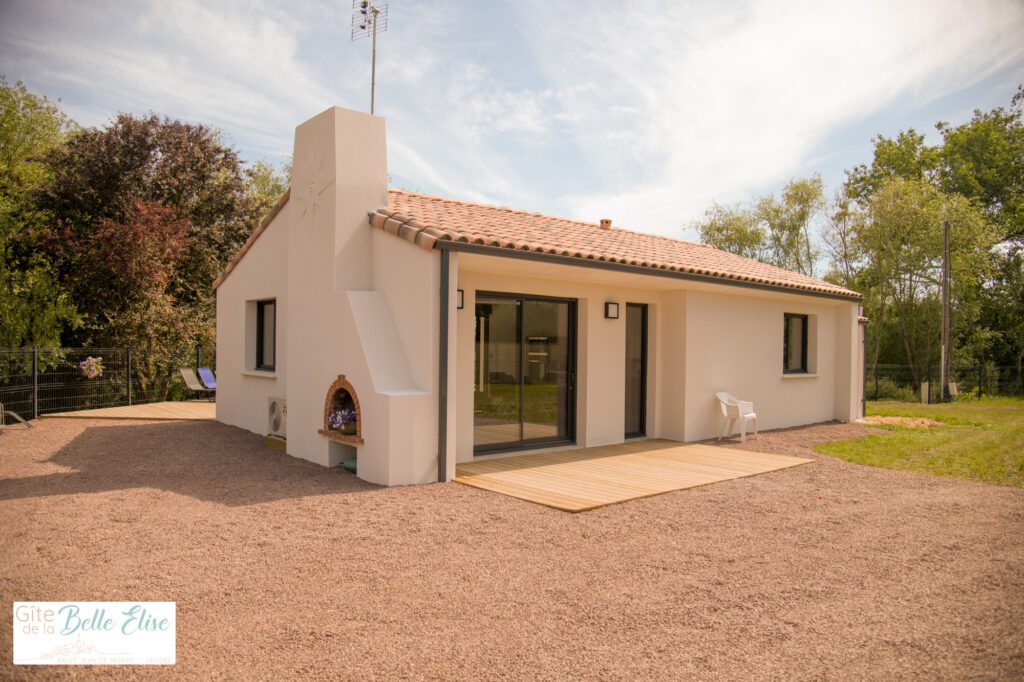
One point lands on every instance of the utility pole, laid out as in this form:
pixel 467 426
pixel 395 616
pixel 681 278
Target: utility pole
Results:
pixel 368 18
pixel 944 369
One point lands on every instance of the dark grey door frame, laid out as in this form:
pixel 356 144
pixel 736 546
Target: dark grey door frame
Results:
pixel 571 398
pixel 643 368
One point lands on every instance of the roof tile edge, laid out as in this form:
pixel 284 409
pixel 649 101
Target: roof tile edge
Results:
pixel 427 236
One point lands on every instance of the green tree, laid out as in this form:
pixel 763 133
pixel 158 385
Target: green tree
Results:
pixel 789 224
pixel 33 306
pixel 901 240
pixel 983 160
pixel 733 229
pixel 906 156
pixel 845 256
pixel 776 231
pixel 1002 313
pixel 100 177
pixel 266 184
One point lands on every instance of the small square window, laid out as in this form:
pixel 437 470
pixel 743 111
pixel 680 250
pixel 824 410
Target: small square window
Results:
pixel 794 344
pixel 266 333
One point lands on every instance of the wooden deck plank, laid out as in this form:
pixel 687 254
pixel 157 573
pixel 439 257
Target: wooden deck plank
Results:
pixel 583 479
pixel 189 411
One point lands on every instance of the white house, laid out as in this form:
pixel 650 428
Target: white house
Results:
pixel 455 330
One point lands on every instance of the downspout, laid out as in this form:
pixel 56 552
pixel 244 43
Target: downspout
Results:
pixel 442 379
pixel 863 327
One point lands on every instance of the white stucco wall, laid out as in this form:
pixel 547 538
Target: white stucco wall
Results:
pixel 410 278
pixel 702 339
pixel 734 344
pixel 671 412
pixel 601 370
pixel 242 391
pixel 359 302
pixel 349 304
pixel 345 298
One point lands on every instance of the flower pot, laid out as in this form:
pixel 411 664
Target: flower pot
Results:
pixel 348 429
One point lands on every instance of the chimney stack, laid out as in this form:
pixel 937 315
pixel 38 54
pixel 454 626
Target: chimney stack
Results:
pixel 606 223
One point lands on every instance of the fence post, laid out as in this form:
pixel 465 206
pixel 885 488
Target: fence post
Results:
pixel 35 382
pixel 876 381
pixel 129 377
pixel 981 377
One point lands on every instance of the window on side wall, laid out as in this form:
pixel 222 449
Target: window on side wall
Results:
pixel 266 334
pixel 794 344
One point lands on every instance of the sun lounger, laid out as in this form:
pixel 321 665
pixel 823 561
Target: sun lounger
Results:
pixel 6 412
pixel 193 383
pixel 206 376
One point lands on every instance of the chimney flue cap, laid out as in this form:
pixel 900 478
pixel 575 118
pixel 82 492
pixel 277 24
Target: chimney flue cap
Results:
pixel 606 223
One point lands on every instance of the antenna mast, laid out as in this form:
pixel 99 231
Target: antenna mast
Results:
pixel 368 17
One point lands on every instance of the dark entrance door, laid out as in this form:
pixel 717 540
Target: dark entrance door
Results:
pixel 525 372
pixel 636 370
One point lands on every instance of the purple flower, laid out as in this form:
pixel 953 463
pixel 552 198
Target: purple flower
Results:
pixel 338 418
pixel 91 367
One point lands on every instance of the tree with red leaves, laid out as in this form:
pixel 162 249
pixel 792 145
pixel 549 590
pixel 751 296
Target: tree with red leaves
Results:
pixel 144 207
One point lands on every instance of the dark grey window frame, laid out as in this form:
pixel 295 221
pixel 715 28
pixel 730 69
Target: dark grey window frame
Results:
pixel 261 307
pixel 803 344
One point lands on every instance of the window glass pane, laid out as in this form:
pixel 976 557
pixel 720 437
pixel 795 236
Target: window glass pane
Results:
pixel 523 372
pixel 795 343
pixel 496 416
pixel 546 380
pixel 269 318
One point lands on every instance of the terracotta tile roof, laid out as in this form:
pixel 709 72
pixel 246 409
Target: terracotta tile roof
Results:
pixel 424 220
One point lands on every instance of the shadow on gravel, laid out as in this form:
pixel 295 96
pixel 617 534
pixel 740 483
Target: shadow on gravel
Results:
pixel 206 460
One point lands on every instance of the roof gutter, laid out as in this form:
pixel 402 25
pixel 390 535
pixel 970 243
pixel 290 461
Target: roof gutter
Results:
pixel 446 245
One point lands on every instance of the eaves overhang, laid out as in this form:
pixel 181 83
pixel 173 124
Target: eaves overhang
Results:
pixel 433 238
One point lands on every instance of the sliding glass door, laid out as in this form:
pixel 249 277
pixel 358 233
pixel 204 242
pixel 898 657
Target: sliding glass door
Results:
pixel 525 372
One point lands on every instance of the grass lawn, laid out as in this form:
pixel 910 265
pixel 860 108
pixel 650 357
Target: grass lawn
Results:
pixel 502 402
pixel 982 440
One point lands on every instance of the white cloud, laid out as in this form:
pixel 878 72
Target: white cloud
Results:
pixel 236 67
pixel 733 100
pixel 644 113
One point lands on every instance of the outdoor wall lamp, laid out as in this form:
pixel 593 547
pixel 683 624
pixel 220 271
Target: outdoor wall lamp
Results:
pixel 611 311
pixel 459 299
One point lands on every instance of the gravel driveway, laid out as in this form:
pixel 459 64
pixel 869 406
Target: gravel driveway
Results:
pixel 281 568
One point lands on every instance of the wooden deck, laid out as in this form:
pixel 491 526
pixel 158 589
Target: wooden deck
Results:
pixel 191 410
pixel 578 480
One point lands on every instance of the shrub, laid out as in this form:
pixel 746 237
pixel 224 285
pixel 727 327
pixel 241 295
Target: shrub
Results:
pixel 890 390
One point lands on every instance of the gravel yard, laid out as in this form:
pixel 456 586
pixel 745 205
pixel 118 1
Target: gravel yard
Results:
pixel 282 568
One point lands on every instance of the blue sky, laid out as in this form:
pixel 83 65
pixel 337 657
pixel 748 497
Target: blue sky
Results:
pixel 643 112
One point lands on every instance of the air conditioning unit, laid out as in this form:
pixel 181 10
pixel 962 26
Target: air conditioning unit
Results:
pixel 277 417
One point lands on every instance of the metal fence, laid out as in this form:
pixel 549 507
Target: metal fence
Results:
pixel 37 381
pixel 898 382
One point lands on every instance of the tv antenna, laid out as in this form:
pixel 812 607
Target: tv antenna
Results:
pixel 369 17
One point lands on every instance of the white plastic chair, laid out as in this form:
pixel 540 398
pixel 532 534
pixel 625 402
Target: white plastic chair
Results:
pixel 735 410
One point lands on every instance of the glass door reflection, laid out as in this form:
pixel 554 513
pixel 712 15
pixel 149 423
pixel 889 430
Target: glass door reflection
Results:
pixel 524 373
